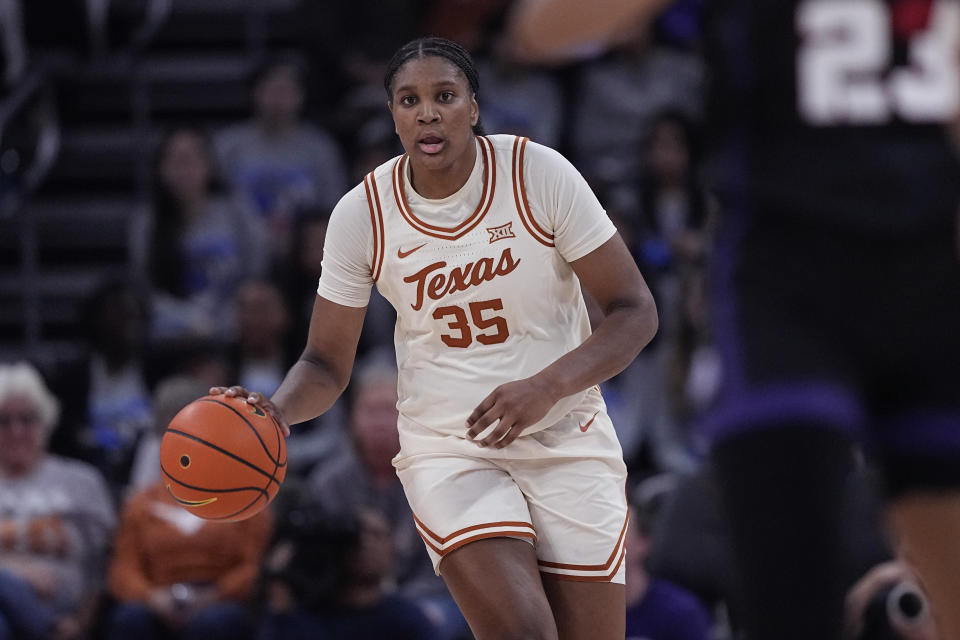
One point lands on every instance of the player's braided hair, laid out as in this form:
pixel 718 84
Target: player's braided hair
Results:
pixel 440 47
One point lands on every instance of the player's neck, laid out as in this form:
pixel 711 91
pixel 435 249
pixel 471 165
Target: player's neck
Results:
pixel 441 182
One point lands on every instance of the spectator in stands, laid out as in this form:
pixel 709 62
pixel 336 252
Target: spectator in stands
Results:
pixel 624 90
pixel 465 22
pixel 657 609
pixel 171 395
pixel 56 518
pixel 364 476
pixel 278 161
pixel 675 209
pixel 105 395
pixel 175 575
pixel 327 578
pixel 374 142
pixel 261 356
pixel 301 276
pixel 520 98
pixel 197 244
pixel 671 234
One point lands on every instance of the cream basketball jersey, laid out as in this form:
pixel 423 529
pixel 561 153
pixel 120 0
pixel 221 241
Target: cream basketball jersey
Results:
pixel 480 280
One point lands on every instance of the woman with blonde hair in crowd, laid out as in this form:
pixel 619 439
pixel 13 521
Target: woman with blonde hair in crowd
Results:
pixel 56 516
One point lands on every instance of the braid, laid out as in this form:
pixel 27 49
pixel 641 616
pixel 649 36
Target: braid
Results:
pixel 441 48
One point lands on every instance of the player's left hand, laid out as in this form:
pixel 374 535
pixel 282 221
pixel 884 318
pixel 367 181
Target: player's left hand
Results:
pixel 516 405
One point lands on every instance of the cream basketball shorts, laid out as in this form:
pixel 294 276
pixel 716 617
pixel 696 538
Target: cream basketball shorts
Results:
pixel 562 489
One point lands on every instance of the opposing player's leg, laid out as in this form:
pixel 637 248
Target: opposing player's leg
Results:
pixel 496 584
pixel 593 610
pixel 782 491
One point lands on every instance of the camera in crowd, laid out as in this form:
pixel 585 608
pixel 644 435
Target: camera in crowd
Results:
pixel 897 611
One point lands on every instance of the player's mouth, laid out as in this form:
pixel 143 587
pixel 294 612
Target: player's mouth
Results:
pixel 190 503
pixel 431 144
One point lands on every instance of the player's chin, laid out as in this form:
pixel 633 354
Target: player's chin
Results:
pixel 432 160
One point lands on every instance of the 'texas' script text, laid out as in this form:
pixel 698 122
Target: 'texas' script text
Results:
pixel 436 283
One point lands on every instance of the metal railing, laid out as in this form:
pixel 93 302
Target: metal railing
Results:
pixel 32 97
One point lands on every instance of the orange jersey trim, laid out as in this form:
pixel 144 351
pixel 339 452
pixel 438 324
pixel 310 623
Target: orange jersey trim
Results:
pixel 479 536
pixel 449 233
pixel 376 219
pixel 520 196
pixel 510 529
pixel 575 578
pixel 593 567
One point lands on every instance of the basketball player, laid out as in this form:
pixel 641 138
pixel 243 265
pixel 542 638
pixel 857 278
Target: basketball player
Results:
pixel 837 296
pixel 508 458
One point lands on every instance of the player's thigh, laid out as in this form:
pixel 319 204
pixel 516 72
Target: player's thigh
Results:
pixel 594 610
pixel 496 583
pixel 573 478
pixel 457 500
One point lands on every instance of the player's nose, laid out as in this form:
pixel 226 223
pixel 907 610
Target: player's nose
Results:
pixel 428 112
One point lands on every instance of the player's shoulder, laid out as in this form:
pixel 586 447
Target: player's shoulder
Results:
pixel 539 161
pixel 532 151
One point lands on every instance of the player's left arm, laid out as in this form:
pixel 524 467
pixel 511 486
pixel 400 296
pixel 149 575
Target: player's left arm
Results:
pixel 610 275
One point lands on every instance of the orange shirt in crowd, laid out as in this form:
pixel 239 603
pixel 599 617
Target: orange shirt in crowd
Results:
pixel 159 544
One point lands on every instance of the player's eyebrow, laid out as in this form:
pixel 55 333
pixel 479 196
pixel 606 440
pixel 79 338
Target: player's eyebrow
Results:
pixel 436 85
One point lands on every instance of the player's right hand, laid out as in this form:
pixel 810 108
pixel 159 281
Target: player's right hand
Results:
pixel 254 398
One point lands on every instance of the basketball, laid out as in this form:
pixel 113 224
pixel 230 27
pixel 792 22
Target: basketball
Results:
pixel 223 459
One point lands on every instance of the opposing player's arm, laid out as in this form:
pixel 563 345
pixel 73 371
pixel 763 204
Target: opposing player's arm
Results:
pixel 548 30
pixel 322 372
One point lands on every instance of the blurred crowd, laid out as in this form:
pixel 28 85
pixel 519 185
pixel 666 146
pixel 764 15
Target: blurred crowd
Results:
pixel 225 259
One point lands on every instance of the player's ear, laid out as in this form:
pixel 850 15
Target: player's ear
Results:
pixel 474 110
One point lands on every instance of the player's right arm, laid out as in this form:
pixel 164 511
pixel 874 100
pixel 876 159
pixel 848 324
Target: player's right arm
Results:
pixel 322 372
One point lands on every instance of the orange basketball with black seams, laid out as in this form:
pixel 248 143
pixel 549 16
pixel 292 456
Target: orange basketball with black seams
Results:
pixel 223 459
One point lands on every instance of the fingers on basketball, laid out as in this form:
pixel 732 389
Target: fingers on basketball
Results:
pixel 223 458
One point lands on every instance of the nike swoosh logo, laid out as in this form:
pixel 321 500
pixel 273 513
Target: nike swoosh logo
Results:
pixel 190 503
pixel 584 427
pixel 403 254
